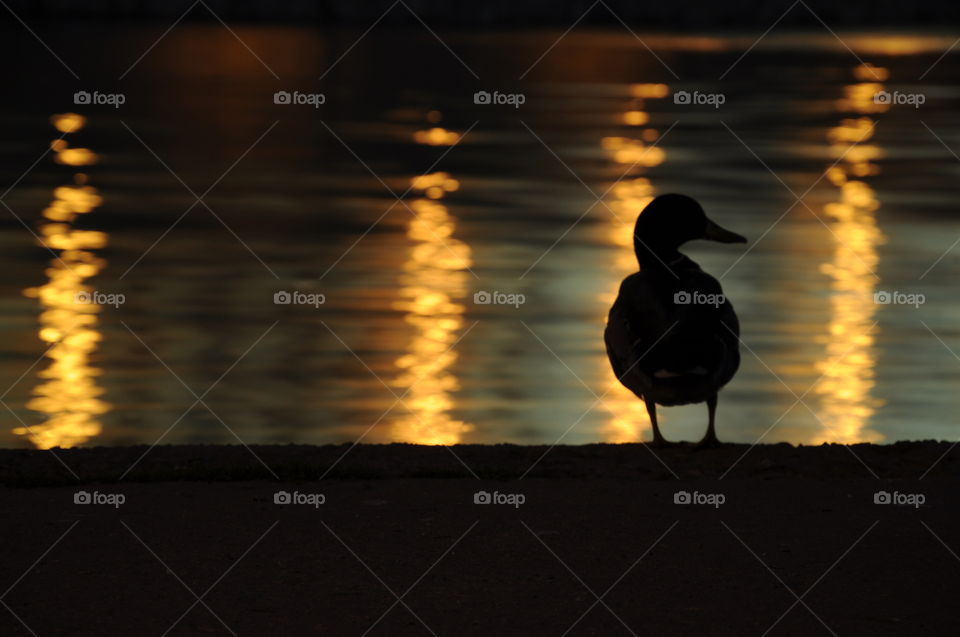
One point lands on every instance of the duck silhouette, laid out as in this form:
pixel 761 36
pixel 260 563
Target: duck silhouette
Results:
pixel 672 337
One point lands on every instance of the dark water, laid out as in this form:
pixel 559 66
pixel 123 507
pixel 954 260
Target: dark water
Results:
pixel 495 199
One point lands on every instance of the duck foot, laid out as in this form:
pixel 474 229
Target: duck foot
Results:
pixel 662 443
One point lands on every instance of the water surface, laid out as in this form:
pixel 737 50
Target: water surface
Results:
pixel 842 198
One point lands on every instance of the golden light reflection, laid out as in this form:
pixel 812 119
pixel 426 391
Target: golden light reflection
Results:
pixel 433 284
pixel 63 154
pixel 867 72
pixel 436 136
pixel 68 122
pixel 626 150
pixel 635 118
pixel 891 44
pixel 69 394
pixel 850 358
pixel 627 414
pixel 858 98
pixel 652 91
pixel 74 156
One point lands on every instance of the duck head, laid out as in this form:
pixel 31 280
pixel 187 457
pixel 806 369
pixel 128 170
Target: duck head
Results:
pixel 667 223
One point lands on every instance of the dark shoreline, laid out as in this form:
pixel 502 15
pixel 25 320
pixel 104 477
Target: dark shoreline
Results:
pixel 226 463
pixel 587 521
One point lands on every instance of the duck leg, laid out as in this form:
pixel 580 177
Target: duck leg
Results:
pixel 658 439
pixel 710 440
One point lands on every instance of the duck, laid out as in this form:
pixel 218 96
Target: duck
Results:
pixel 672 336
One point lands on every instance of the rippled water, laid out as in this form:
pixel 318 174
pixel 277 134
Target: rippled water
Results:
pixel 534 203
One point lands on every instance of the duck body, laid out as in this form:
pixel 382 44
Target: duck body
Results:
pixel 672 336
pixel 672 353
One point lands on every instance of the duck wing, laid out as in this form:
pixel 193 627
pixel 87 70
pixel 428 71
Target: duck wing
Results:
pixel 636 322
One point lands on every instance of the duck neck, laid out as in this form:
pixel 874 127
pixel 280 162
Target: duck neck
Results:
pixel 654 257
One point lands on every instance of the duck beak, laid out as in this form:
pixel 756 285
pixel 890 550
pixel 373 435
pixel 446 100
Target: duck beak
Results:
pixel 713 232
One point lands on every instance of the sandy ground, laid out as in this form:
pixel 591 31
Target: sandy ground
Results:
pixel 598 521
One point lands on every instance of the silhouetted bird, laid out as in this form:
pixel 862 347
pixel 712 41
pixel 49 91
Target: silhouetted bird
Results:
pixel 671 336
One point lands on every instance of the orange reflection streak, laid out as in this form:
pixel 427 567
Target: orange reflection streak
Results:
pixel 433 282
pixel 436 137
pixel 626 150
pixel 850 358
pixel 627 413
pixel 69 395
